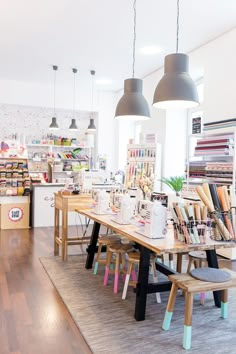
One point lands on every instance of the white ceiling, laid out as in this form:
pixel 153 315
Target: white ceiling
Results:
pixel 98 34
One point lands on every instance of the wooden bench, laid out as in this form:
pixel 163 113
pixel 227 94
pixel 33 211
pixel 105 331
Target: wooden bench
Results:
pixel 190 286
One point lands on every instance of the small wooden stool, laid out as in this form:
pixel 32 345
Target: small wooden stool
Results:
pixel 197 258
pixel 119 250
pixel 133 259
pixel 104 241
pixel 190 286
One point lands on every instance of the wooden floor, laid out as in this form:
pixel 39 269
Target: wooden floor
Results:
pixel 33 318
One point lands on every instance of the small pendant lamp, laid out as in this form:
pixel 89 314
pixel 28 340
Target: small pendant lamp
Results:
pixel 92 127
pixel 133 105
pixel 176 89
pixel 73 125
pixel 54 124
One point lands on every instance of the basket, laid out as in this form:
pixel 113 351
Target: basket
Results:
pixel 193 232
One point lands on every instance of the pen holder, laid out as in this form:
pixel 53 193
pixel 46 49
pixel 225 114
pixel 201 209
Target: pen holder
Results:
pixel 193 232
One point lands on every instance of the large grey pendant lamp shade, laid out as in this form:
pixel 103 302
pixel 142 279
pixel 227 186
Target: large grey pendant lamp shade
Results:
pixel 176 89
pixel 91 126
pixel 133 105
pixel 73 125
pixel 54 124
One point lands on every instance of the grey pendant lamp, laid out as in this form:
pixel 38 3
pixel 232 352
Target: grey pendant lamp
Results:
pixel 73 125
pixel 176 89
pixel 91 126
pixel 133 105
pixel 54 124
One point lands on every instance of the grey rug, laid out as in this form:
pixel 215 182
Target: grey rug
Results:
pixel 108 325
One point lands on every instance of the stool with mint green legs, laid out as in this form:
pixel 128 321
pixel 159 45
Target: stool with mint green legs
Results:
pixel 224 279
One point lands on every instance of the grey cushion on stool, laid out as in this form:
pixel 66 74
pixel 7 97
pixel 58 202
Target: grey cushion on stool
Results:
pixel 211 274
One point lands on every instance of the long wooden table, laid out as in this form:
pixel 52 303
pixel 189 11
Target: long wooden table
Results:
pixel 159 246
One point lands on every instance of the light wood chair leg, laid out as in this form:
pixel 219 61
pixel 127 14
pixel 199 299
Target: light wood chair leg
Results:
pixel 117 266
pixel 64 235
pixel 97 258
pixel 170 307
pixel 109 256
pixel 56 231
pixel 127 278
pixel 188 321
pixel 190 262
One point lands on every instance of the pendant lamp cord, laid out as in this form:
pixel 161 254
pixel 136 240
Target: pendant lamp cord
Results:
pixel 92 73
pixel 177 28
pixel 74 71
pixel 134 40
pixel 54 98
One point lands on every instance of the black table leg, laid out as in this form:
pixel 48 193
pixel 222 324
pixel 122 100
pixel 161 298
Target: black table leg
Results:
pixel 92 245
pixel 213 263
pixel 142 285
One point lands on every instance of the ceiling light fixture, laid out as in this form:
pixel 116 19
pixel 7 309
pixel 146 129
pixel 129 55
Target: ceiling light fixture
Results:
pixel 133 105
pixel 73 125
pixel 91 127
pixel 54 124
pixel 176 89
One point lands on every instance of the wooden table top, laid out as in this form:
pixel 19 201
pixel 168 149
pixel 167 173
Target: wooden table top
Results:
pixel 167 244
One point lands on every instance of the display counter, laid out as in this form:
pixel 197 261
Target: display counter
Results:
pixel 42 211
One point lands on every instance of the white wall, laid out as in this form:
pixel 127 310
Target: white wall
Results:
pixel 216 63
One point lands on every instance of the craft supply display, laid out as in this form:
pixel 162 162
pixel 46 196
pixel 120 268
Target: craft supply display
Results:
pixel 191 223
pixel 221 209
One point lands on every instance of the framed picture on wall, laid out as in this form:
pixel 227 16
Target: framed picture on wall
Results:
pixel 196 125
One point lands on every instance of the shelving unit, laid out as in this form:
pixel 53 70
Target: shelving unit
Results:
pixel 214 158
pixel 71 158
pixel 214 162
pixel 14 193
pixel 143 159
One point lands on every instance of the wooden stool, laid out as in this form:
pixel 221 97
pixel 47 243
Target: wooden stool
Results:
pixel 104 241
pixel 133 259
pixel 197 258
pixel 119 250
pixel 190 286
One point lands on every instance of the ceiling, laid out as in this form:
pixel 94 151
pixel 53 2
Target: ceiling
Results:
pixel 98 34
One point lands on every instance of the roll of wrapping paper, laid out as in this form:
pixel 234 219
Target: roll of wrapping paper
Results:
pixel 177 230
pixel 223 230
pixel 230 215
pixel 181 220
pixel 214 197
pixel 206 189
pixel 232 206
pixel 226 197
pixel 200 216
pixel 192 220
pixel 186 220
pixel 223 203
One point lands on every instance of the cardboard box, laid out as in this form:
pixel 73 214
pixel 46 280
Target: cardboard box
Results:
pixel 14 216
